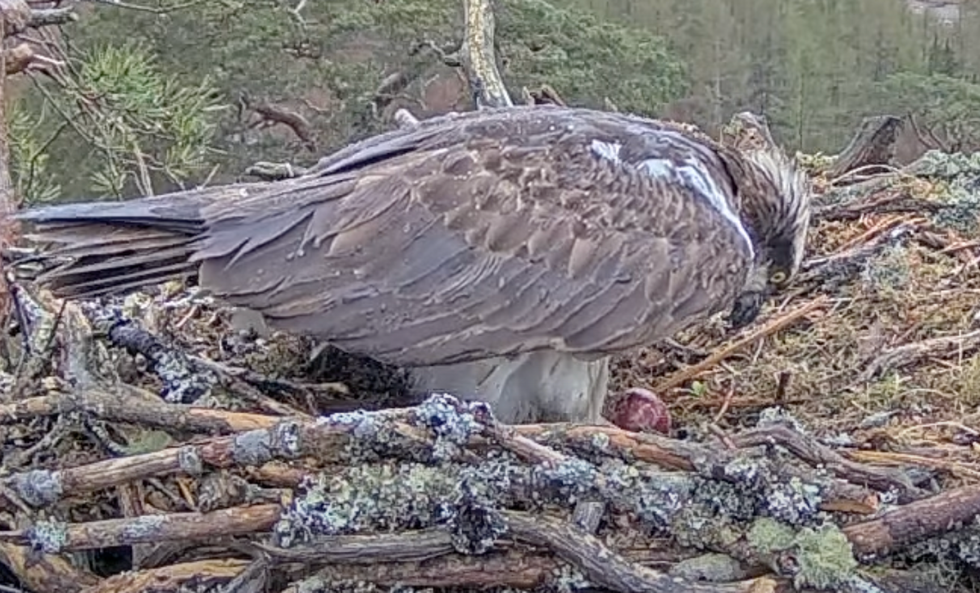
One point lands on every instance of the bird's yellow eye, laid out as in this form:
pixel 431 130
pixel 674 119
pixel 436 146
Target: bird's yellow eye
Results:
pixel 778 277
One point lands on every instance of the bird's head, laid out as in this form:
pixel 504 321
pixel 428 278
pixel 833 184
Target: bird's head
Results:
pixel 775 201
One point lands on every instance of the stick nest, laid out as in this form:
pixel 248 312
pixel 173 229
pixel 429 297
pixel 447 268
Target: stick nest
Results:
pixel 156 443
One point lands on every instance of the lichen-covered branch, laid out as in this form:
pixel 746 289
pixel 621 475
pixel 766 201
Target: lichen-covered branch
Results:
pixel 54 537
pixel 915 522
pixel 446 466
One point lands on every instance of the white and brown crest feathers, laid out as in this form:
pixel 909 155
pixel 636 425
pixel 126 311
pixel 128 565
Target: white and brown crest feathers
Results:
pixel 784 215
pixel 775 191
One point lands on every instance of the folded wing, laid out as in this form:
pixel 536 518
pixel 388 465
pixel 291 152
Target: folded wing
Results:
pixel 489 234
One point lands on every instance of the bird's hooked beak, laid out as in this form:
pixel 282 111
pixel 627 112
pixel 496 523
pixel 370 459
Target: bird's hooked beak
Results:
pixel 747 307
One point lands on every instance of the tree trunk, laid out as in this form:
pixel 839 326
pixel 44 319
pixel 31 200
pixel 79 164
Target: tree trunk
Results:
pixel 12 18
pixel 478 58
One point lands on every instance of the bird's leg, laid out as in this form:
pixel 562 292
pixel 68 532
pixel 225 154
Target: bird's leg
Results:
pixel 603 421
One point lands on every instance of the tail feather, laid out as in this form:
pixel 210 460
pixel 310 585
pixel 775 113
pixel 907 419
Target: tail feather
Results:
pixel 101 248
pixel 86 286
pixel 82 240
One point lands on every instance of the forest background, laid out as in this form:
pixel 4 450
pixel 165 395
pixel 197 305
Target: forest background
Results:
pixel 194 92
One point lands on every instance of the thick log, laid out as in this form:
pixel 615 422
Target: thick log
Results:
pixel 873 144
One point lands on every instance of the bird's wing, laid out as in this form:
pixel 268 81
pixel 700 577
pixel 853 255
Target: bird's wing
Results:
pixel 489 234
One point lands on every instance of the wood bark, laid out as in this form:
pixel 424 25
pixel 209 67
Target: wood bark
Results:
pixel 529 554
pixel 478 57
pixel 915 522
pixel 872 144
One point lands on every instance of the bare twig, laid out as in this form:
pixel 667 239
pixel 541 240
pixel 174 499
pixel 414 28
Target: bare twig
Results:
pixel 770 328
pixel 899 356
pixel 271 114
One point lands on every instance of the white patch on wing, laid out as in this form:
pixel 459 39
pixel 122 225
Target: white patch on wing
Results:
pixel 658 168
pixel 697 178
pixel 691 174
pixel 607 150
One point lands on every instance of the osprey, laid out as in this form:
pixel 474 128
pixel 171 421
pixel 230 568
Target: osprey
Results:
pixel 502 255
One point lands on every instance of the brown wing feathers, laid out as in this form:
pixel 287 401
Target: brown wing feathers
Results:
pixel 98 248
pixel 443 270
pixel 465 237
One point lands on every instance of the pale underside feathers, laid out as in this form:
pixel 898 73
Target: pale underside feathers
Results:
pixel 469 236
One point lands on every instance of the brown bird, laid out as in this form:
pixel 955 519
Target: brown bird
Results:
pixel 503 255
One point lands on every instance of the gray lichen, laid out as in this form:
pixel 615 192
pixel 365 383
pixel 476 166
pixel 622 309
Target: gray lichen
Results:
pixel 961 195
pixel 39 487
pixel 960 547
pixel 712 507
pixel 144 526
pixel 370 434
pixel 568 480
pixel 362 499
pixel 182 382
pixel 795 501
pixel 887 271
pixel 452 422
pixel 388 497
pixel 190 462
pixel 49 537
pixel 256 447
pixel 715 568
pixel 474 523
pixel 566 579
pixel 779 416
pixel 944 165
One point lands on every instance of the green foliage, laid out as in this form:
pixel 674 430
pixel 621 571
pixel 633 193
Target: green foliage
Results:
pixel 587 59
pixel 328 66
pixel 811 67
pixel 123 122
pixel 140 120
pixel 29 159
pixel 936 100
pixel 814 68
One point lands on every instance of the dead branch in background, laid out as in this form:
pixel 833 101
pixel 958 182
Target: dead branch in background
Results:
pixel 873 144
pixel 926 135
pixel 271 114
pixel 543 95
